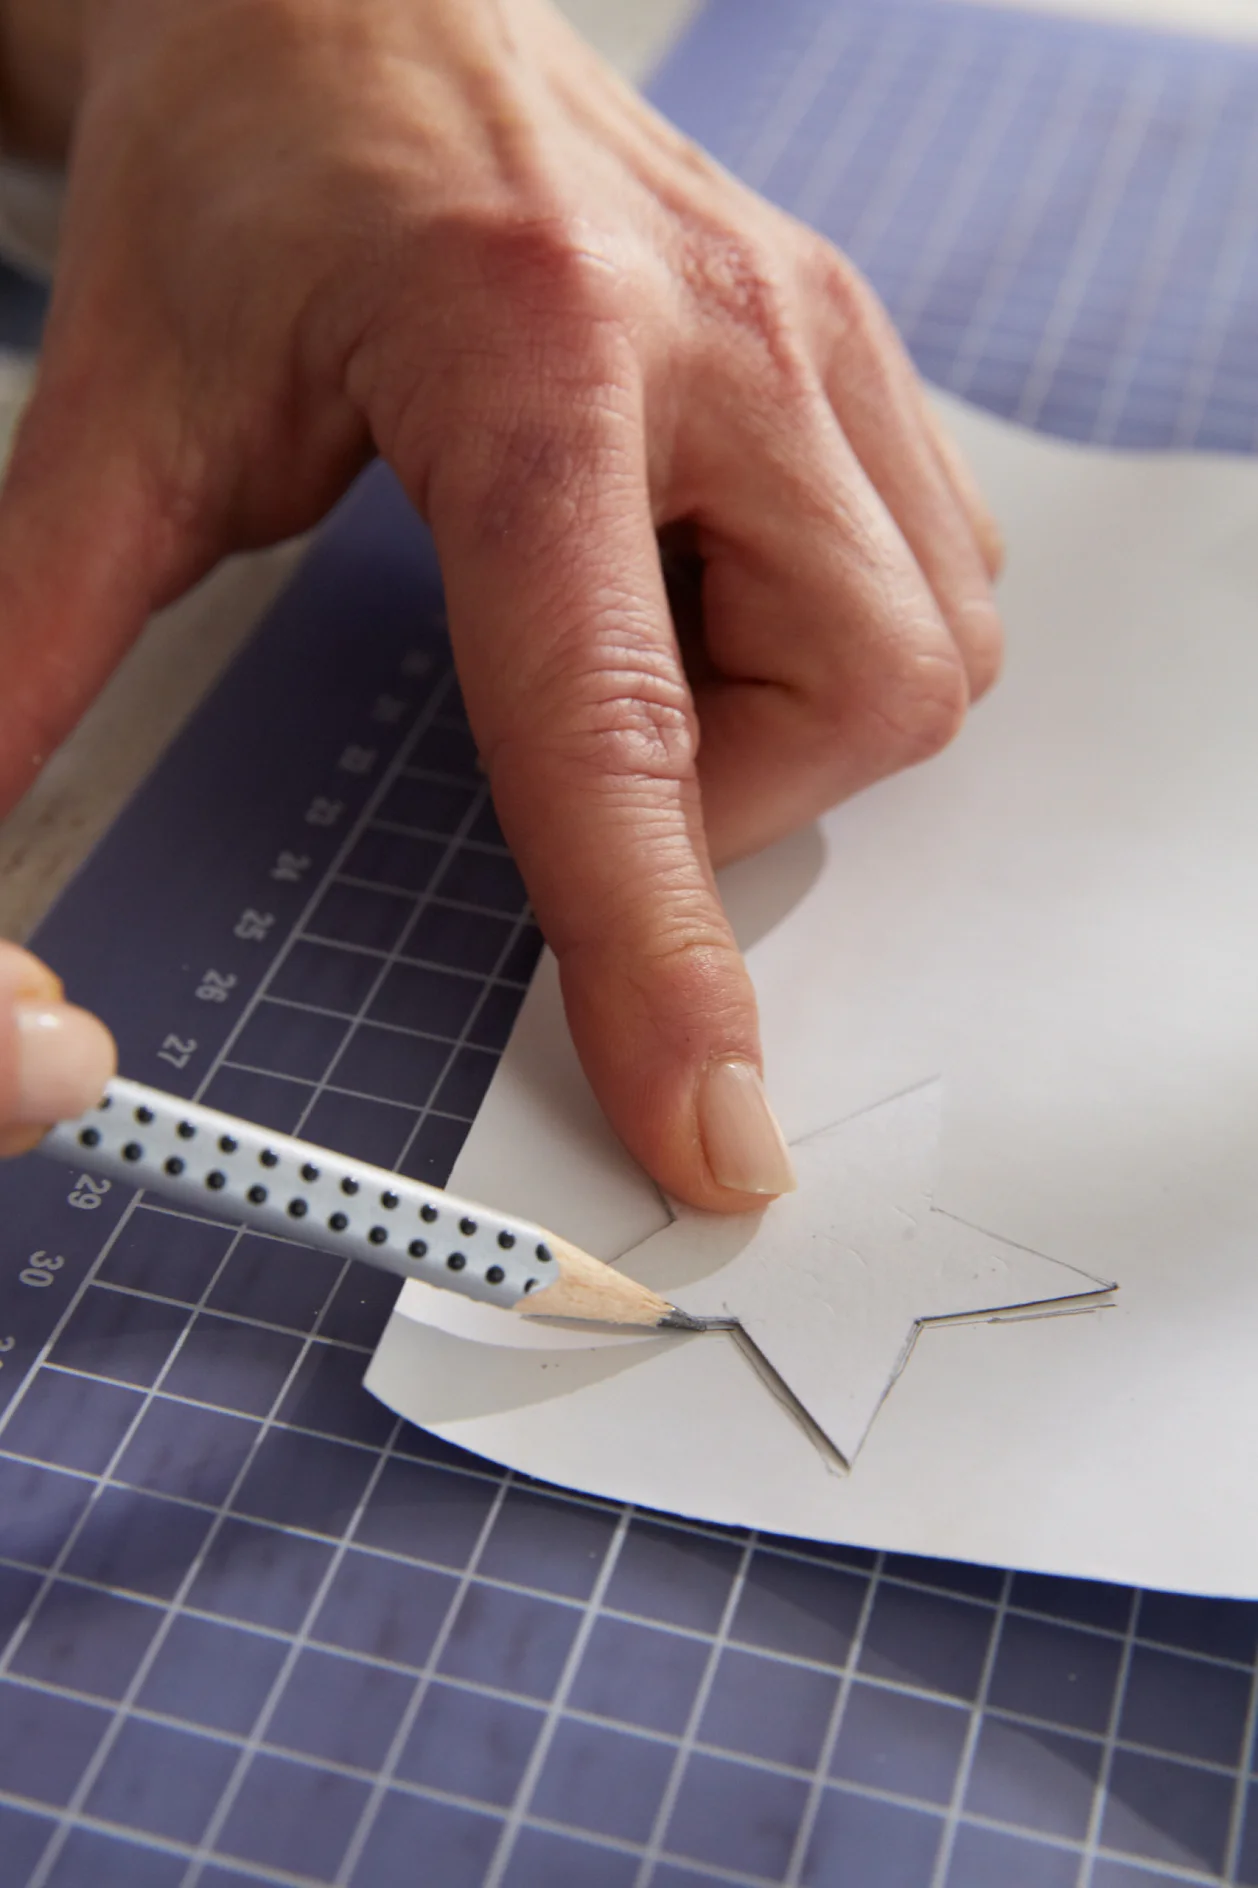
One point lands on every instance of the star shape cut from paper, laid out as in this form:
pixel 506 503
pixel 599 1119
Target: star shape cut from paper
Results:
pixel 830 1285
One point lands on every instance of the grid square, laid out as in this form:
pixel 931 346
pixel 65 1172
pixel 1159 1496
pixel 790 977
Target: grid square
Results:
pixel 1225 1629
pixel 430 805
pixel 259 1576
pixel 487 879
pixel 546 1542
pixel 275 1283
pixel 273 1101
pixel 1184 1706
pixel 72 1421
pixel 402 861
pixel 675 1578
pixel 880 1845
pixel 40 1508
pixel 327 1394
pixel 496 1017
pixel 798 1607
pixel 639 1675
pixel 232 1365
pixel 384 1609
pixel 426 1513
pixel 350 914
pixel 992 1858
pixel 608 1782
pixel 466 1082
pixel 360 1308
pixel 381 1064
pixel 948 1576
pixel 443 934
pixel 763 1708
pixel 91 1859
pixel 1108 1874
pixel 214 1675
pixel 23 1837
pixel 18 1589
pixel 338 1710
pixel 543 1859
pixel 163 1781
pixel 375 1131
pixel 890 1741
pixel 167 1256
pixel 470 1743
pixel 305 1482
pixel 485 830
pixel 286 1041
pixel 325 976
pixel 521 960
pixel 447 747
pixel 1167 1812
pixel 510 1640
pixel 140 1542
pixel 926 1639
pixel 293 1816
pixel 86 1641
pixel 113 1334
pixel 1084 1602
pixel 1247 1861
pixel 178 1449
pixel 1037 1779
pixel 46 1742
pixel 1055 1672
pixel 736 1816
pixel 436 1002
pixel 432 1153
pixel 456 1843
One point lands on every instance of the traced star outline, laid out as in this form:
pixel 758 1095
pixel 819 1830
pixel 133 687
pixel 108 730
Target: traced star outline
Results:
pixel 831 1285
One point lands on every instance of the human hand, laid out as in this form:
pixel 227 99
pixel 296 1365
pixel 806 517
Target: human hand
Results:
pixel 441 229
pixel 54 1059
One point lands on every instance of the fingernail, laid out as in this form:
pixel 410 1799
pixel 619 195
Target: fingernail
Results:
pixel 741 1137
pixel 64 1059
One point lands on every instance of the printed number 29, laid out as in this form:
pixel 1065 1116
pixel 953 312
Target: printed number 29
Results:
pixel 88 1193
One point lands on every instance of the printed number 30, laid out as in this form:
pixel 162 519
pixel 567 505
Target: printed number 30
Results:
pixel 39 1269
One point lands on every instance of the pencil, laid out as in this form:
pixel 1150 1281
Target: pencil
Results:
pixel 243 1173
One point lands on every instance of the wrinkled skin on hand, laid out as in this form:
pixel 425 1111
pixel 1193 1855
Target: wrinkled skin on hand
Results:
pixel 303 231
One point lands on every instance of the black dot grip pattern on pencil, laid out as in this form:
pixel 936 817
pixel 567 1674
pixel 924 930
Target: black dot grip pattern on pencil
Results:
pixel 236 1172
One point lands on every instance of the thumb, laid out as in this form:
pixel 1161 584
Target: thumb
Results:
pixel 54 1059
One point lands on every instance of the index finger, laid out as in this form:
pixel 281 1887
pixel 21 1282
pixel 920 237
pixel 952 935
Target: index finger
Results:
pixel 577 696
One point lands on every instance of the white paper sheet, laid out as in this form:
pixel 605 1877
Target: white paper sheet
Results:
pixel 1057 922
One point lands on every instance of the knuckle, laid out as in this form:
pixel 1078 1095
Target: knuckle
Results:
pixel 902 707
pixel 983 643
pixel 552 269
pixel 737 283
pixel 623 726
pixel 924 706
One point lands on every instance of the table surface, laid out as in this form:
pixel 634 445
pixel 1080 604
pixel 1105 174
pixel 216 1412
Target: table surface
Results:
pixel 253 1630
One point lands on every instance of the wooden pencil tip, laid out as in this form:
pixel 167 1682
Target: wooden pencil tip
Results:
pixel 587 1289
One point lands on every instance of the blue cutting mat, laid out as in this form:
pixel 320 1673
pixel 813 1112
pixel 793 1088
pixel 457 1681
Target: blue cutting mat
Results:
pixel 256 1632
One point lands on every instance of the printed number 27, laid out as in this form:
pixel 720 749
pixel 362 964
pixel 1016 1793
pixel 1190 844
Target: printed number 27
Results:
pixel 178 1051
